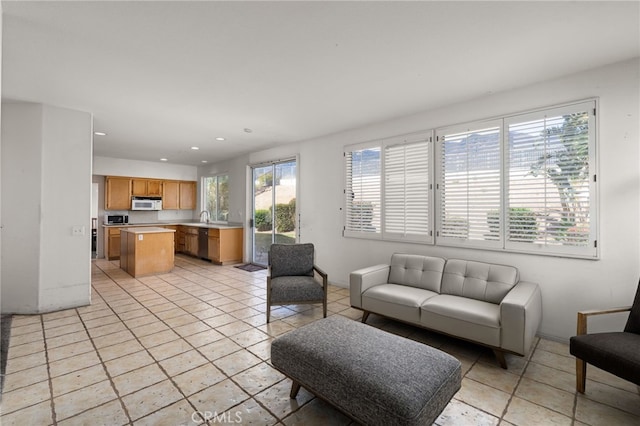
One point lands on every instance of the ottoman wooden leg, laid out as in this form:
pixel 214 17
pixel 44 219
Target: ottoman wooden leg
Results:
pixel 295 387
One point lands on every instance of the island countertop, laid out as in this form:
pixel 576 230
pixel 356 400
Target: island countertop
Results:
pixel 146 230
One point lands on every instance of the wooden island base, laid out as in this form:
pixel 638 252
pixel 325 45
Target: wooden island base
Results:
pixel 147 250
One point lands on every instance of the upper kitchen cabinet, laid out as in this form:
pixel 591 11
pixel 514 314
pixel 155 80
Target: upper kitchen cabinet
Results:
pixel 117 193
pixel 171 195
pixel 179 195
pixel 146 187
pixel 187 195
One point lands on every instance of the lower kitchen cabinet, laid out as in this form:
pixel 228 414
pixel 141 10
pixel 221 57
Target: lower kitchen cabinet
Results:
pixel 225 245
pixel 191 240
pixel 112 243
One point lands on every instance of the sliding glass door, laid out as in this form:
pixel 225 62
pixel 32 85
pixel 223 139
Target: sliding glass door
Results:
pixel 274 207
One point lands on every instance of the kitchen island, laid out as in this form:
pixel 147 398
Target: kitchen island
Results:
pixel 146 250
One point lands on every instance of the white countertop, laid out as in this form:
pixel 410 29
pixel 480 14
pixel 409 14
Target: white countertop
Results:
pixel 192 224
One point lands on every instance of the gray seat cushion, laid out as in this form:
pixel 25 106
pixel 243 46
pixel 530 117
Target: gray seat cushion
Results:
pixel 375 377
pixel 617 353
pixel 397 301
pixel 296 289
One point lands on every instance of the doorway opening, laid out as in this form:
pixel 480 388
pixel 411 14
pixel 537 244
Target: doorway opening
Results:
pixel 275 213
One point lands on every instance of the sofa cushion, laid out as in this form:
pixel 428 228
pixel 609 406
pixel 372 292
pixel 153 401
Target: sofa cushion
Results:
pixel 460 316
pixel 396 301
pixel 476 280
pixel 416 271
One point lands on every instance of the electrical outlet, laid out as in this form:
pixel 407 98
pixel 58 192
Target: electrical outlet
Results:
pixel 77 231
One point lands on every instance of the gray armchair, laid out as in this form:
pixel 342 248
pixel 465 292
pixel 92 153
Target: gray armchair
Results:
pixel 616 352
pixel 292 277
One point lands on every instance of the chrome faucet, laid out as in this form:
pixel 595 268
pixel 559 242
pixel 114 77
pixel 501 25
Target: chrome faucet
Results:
pixel 206 214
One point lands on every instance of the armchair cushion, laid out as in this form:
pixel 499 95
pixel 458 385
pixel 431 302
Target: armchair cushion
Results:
pixel 615 352
pixel 298 288
pixel 633 322
pixel 291 259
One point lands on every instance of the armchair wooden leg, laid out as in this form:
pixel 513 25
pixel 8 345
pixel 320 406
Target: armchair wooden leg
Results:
pixel 295 387
pixel 268 313
pixel 324 307
pixel 581 375
pixel 365 315
pixel 500 357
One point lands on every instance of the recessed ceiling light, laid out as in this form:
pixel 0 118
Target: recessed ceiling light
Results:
pixel 204 161
pixel 248 130
pixel 164 159
pixel 219 139
pixel 195 148
pixel 100 133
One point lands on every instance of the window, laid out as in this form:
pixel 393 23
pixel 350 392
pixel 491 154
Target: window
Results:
pixel 407 191
pixel 522 183
pixel 216 197
pixel 363 192
pixel 469 185
pixel 388 189
pixel 551 181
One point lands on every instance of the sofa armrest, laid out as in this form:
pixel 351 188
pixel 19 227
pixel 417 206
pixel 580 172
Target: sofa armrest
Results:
pixel 362 279
pixel 520 316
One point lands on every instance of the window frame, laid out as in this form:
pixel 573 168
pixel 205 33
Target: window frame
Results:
pixel 381 232
pixel 205 197
pixel 589 251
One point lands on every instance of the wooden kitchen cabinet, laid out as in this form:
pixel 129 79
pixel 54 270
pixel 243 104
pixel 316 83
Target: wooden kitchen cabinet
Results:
pixel 112 243
pixel 225 245
pixel 191 241
pixel 117 193
pixel 146 187
pixel 171 195
pixel 178 195
pixel 187 195
pixel 180 232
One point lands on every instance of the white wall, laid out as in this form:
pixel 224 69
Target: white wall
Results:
pixel 568 285
pixel 45 267
pixel 107 166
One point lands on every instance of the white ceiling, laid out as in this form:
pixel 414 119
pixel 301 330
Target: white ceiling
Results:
pixel 161 77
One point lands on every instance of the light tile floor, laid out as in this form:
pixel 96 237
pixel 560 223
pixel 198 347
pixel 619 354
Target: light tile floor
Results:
pixel 193 345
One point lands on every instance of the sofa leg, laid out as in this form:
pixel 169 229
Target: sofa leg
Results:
pixel 581 375
pixel 500 357
pixel 365 315
pixel 295 387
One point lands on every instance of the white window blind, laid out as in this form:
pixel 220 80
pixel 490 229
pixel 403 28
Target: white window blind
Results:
pixel 551 180
pixel 363 192
pixel 407 193
pixel 469 188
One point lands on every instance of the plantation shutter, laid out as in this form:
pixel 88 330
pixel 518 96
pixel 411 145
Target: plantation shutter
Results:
pixel 407 191
pixel 551 180
pixel 363 192
pixel 469 185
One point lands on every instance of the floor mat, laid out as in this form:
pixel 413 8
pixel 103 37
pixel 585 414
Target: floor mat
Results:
pixel 251 267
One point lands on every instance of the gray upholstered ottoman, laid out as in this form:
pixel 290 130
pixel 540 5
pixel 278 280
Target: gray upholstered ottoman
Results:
pixel 373 376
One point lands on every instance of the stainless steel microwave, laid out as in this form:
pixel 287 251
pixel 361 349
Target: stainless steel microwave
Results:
pixel 116 219
pixel 146 203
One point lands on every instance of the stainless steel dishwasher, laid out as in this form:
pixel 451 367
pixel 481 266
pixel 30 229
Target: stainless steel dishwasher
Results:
pixel 203 243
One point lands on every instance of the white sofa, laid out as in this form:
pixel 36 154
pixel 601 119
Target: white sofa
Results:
pixel 480 302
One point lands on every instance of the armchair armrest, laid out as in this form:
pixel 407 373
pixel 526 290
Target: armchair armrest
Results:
pixel 362 279
pixel 520 316
pixel 583 315
pixel 323 275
